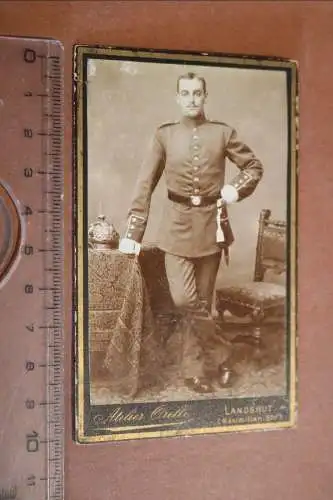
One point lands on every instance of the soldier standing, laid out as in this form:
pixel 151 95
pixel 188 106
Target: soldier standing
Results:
pixel 195 228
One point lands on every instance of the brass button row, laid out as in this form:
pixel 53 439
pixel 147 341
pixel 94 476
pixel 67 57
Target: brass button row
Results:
pixel 195 158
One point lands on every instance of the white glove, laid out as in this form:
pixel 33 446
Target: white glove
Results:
pixel 129 246
pixel 229 194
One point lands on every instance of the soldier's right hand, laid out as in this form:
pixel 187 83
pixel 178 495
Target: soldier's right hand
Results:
pixel 129 246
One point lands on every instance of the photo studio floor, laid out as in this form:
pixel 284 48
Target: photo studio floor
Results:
pixel 258 371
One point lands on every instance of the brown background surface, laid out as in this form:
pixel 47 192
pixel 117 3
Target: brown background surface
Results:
pixel 292 464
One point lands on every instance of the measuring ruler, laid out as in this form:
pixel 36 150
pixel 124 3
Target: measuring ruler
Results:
pixel 31 270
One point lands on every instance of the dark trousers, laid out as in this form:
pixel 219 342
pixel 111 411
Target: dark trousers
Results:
pixel 191 283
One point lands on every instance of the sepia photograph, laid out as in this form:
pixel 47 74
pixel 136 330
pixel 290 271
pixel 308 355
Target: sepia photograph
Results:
pixel 185 243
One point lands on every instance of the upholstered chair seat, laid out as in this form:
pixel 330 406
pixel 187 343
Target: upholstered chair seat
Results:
pixel 252 298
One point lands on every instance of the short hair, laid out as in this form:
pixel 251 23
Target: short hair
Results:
pixel 191 76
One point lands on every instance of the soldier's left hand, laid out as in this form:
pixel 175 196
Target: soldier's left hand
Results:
pixel 229 194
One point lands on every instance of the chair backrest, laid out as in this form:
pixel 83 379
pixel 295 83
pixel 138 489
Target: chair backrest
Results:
pixel 271 246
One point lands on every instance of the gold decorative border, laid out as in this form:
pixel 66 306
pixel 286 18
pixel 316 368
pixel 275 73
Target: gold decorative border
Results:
pixel 80 51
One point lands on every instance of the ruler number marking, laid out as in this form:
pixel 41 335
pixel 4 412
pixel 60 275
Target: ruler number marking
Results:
pixel 28 250
pixel 32 442
pixel 28 133
pixel 28 172
pixel 31 480
pixel 30 404
pixel 29 55
pixel 27 210
pixel 29 288
pixel 29 366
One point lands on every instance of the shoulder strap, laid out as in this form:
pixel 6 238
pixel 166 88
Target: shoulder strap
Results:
pixel 168 124
pixel 218 122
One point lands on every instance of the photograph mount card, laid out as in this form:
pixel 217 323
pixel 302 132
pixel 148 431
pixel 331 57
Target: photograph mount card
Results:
pixel 185 243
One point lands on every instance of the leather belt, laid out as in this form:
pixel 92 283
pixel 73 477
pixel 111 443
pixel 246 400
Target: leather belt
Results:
pixel 194 200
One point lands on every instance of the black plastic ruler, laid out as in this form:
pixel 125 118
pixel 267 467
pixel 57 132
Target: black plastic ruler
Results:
pixel 31 269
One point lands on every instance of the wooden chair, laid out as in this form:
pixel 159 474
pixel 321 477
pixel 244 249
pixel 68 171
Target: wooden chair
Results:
pixel 258 299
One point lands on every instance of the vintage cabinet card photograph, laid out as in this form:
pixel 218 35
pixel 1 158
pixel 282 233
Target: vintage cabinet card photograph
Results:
pixel 185 243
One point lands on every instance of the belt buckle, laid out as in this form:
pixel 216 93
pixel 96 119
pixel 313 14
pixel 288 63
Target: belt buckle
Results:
pixel 196 200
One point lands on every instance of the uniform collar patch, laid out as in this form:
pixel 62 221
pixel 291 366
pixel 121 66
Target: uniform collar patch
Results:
pixel 193 122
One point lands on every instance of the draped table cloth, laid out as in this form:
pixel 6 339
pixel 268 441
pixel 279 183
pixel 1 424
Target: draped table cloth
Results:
pixel 127 298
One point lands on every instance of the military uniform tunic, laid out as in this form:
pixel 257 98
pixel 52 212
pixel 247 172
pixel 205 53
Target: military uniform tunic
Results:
pixel 192 155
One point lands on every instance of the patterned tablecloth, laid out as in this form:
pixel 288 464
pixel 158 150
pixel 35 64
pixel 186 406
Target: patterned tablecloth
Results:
pixel 124 340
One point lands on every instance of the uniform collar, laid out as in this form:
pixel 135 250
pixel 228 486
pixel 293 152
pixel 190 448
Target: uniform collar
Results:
pixel 193 122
